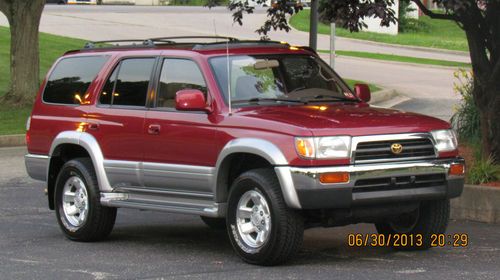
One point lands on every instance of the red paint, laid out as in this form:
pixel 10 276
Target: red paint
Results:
pixel 362 92
pixel 196 138
pixel 190 100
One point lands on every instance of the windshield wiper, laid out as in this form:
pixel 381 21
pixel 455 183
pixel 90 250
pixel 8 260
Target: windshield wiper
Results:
pixel 321 98
pixel 257 100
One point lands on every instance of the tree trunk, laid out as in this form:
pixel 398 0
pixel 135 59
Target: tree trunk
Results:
pixel 490 125
pixel 24 19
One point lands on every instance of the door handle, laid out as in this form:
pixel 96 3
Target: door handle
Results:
pixel 154 129
pixel 93 126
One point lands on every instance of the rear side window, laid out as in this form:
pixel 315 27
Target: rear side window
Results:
pixel 70 79
pixel 128 84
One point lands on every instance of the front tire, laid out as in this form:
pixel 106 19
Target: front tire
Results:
pixel 431 217
pixel 79 212
pixel 262 229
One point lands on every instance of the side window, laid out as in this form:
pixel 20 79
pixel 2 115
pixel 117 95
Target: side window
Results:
pixel 178 74
pixel 107 91
pixel 70 79
pixel 128 84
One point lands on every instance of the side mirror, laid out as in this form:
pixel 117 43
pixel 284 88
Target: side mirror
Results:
pixel 190 100
pixel 362 91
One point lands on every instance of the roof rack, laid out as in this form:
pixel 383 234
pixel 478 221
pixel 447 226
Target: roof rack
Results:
pixel 152 42
pixel 144 43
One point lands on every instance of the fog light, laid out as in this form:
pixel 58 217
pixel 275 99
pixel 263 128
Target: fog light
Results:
pixel 334 178
pixel 457 169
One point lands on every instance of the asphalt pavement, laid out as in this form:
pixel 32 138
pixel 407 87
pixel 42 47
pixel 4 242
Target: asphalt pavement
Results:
pixel 153 245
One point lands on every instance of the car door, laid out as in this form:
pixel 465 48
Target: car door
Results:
pixel 180 153
pixel 118 119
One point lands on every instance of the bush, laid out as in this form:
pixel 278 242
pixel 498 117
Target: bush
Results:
pixel 466 120
pixel 409 25
pixel 483 171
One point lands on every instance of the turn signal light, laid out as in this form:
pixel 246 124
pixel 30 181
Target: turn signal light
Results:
pixel 334 178
pixel 457 169
pixel 305 147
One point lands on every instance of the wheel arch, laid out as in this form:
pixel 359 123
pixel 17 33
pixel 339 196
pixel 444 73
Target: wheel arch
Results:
pixel 262 151
pixel 72 144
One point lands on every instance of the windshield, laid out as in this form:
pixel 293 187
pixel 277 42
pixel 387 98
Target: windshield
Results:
pixel 284 78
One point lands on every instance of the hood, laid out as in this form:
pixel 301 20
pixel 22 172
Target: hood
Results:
pixel 353 119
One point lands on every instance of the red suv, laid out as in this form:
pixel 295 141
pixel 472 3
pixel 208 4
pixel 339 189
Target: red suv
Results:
pixel 258 137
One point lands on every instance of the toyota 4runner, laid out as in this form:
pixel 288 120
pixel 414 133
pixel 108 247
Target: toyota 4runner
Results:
pixel 258 137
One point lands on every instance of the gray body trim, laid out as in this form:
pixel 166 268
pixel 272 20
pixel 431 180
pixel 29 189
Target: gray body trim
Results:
pixel 268 151
pixel 36 166
pixel 189 178
pixel 89 143
pixel 256 146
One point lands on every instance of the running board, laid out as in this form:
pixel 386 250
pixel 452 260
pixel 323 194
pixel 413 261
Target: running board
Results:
pixel 193 205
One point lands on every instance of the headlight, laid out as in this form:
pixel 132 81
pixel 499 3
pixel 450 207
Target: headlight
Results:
pixel 445 140
pixel 333 147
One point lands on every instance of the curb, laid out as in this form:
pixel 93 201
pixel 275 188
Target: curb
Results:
pixel 409 47
pixel 12 140
pixel 401 63
pixel 382 96
pixel 387 98
pixel 477 203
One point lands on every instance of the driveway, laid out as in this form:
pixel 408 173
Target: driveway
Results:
pixel 155 245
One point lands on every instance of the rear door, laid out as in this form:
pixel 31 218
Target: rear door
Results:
pixel 118 119
pixel 180 152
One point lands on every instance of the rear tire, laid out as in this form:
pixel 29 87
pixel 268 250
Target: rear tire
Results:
pixel 262 229
pixel 214 223
pixel 431 217
pixel 77 203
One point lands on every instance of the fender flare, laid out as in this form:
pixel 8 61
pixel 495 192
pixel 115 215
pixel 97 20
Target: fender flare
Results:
pixel 90 144
pixel 269 152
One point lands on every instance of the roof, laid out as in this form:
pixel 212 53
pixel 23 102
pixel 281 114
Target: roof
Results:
pixel 217 45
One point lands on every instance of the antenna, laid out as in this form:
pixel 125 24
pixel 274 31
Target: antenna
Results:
pixel 215 29
pixel 228 78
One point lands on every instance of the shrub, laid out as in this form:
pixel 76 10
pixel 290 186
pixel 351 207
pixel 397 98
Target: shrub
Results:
pixel 466 120
pixel 483 171
pixel 407 24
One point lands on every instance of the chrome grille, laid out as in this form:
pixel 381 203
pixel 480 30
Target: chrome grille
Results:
pixel 378 151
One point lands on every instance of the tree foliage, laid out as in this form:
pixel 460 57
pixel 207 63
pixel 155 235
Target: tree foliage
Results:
pixel 480 19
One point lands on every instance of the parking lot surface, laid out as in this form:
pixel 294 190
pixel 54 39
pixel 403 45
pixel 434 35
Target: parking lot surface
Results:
pixel 150 245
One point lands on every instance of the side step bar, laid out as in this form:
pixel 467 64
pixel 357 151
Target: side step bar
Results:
pixel 168 202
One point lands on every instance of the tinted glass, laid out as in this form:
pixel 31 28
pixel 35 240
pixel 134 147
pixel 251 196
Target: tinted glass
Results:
pixel 107 91
pixel 70 79
pixel 284 77
pixel 131 87
pixel 178 74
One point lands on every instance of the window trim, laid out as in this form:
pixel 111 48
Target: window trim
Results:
pixel 117 65
pixel 161 61
pixel 107 56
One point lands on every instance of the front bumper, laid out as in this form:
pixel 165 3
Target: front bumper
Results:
pixel 370 184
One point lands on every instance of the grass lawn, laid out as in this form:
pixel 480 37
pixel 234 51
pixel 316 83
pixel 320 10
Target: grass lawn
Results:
pixel 442 34
pixel 400 58
pixel 13 120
